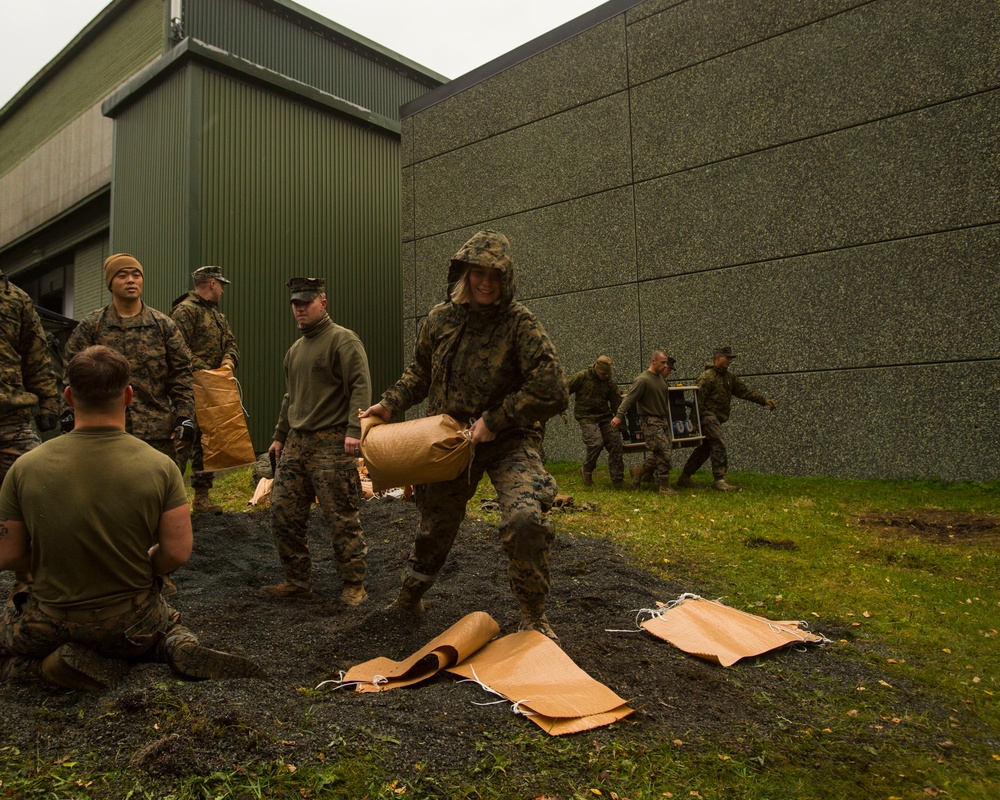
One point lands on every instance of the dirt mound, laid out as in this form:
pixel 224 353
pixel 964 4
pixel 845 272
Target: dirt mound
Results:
pixel 943 527
pixel 168 727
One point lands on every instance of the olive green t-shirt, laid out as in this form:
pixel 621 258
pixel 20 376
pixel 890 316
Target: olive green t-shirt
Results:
pixel 91 502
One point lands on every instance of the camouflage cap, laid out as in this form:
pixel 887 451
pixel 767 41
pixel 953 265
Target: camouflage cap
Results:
pixel 671 362
pixel 724 351
pixel 305 288
pixel 203 274
pixel 603 366
pixel 116 263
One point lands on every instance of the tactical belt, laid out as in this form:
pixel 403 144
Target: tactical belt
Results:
pixel 91 614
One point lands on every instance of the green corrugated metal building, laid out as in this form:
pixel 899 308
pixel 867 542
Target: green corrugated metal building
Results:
pixel 252 134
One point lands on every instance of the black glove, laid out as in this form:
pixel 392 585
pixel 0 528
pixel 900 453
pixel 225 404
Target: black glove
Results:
pixel 67 421
pixel 46 422
pixel 183 429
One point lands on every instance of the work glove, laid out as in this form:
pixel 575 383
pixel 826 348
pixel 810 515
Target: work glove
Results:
pixel 46 422
pixel 183 429
pixel 67 421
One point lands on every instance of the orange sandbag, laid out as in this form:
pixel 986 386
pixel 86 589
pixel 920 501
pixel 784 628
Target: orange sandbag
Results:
pixel 428 450
pixel 225 440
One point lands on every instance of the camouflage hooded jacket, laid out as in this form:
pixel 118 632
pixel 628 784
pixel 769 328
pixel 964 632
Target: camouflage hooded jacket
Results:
pixel 717 386
pixel 206 331
pixel 158 359
pixel 26 374
pixel 496 362
pixel 596 400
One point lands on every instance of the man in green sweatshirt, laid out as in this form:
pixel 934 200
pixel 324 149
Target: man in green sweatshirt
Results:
pixel 649 394
pixel 316 445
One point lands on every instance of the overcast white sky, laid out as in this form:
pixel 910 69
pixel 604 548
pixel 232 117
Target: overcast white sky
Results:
pixel 451 37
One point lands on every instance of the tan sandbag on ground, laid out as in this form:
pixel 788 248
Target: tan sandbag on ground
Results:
pixel 716 632
pixel 225 440
pixel 466 636
pixel 262 494
pixel 427 450
pixel 533 672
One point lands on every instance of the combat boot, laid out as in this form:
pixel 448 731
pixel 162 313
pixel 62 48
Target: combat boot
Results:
pixel 684 481
pixel 194 661
pixel 287 589
pixel 636 473
pixel 588 479
pixel 533 618
pixel 667 489
pixel 410 597
pixel 721 486
pixel 202 505
pixel 75 666
pixel 353 594
pixel 618 484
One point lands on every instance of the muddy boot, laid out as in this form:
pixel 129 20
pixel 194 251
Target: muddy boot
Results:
pixel 588 479
pixel 684 481
pixel 75 666
pixel 202 505
pixel 194 661
pixel 409 600
pixel 20 668
pixel 533 618
pixel 169 588
pixel 619 484
pixel 353 594
pixel 721 486
pixel 636 473
pixel 667 489
pixel 288 590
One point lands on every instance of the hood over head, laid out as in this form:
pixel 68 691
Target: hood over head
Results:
pixel 485 249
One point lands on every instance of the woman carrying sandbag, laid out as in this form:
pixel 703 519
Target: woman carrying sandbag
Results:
pixel 484 358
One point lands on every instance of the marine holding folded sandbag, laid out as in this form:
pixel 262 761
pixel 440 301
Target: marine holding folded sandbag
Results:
pixel 481 356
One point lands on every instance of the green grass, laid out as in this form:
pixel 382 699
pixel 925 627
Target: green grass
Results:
pixel 922 614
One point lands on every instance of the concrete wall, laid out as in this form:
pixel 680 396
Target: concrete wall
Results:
pixel 814 184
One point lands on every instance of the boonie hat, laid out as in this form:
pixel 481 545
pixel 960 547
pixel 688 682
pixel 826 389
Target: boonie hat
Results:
pixel 603 365
pixel 116 263
pixel 203 274
pixel 724 351
pixel 305 288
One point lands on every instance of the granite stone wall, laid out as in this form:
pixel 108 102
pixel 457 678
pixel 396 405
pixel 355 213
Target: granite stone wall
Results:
pixel 815 184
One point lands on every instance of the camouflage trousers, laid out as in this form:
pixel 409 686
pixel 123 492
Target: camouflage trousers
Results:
pixel 191 451
pixel 713 445
pixel 144 627
pixel 525 492
pixel 15 440
pixel 313 465
pixel 599 436
pixel 659 444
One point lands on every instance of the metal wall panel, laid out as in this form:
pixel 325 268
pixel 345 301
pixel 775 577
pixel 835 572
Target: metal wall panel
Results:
pixel 150 180
pixel 131 40
pixel 89 291
pixel 288 189
pixel 298 48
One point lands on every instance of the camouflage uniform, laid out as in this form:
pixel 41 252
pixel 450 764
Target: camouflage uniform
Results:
pixel 597 401
pixel 650 394
pixel 717 386
pixel 313 465
pixel 26 375
pixel 210 339
pixel 160 363
pixel 327 379
pixel 497 363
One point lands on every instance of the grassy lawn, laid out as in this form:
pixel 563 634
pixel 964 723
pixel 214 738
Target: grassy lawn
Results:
pixel 920 609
